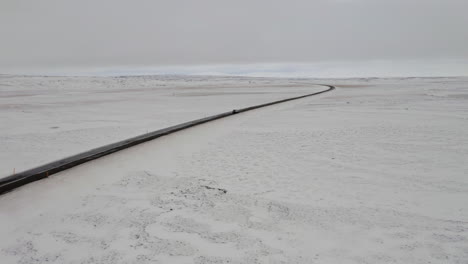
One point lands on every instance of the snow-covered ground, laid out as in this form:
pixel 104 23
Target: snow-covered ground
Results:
pixel 48 118
pixel 373 172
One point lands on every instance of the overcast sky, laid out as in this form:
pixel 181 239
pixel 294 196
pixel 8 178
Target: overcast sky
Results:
pixel 56 33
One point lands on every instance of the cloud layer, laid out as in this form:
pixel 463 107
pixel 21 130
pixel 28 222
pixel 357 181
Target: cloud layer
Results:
pixel 59 33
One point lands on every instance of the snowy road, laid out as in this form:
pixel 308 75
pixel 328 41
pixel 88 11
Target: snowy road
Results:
pixel 48 118
pixel 44 171
pixel 374 172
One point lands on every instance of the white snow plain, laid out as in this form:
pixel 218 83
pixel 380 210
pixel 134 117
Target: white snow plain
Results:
pixel 373 172
pixel 48 118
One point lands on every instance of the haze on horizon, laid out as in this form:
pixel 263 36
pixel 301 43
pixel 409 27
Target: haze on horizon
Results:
pixel 89 33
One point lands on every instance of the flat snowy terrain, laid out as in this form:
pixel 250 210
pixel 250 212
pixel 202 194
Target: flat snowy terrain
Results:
pixel 372 172
pixel 48 118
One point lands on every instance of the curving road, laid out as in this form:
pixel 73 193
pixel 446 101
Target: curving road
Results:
pixel 41 172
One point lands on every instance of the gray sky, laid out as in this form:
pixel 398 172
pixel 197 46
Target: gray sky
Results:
pixel 55 33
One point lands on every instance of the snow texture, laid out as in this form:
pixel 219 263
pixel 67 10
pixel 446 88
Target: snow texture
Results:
pixel 373 172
